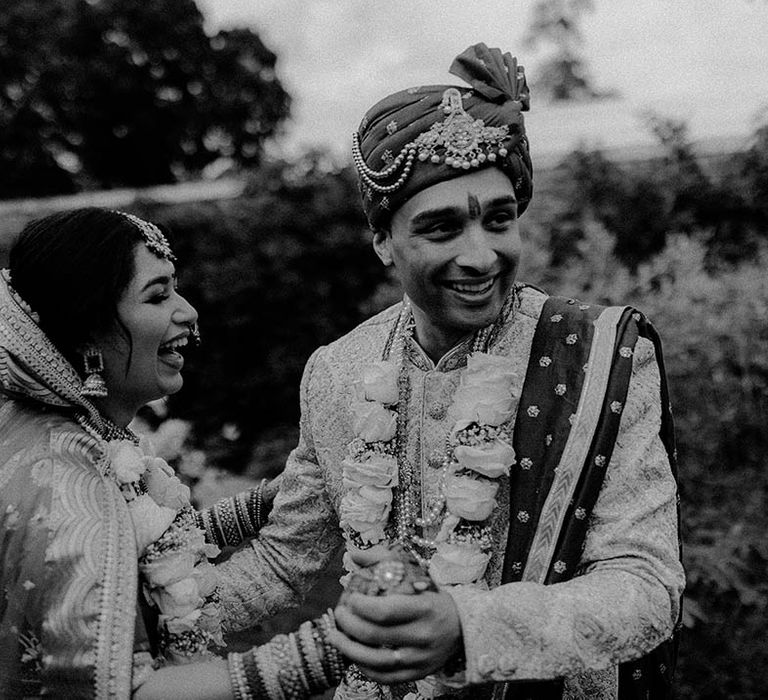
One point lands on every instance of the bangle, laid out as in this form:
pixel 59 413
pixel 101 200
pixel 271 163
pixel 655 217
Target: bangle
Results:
pixel 269 672
pixel 228 526
pixel 256 683
pixel 237 678
pixel 334 664
pixel 203 520
pixel 311 655
pixel 260 503
pixel 247 525
pixel 298 664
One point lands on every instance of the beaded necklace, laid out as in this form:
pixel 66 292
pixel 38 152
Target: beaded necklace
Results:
pixel 107 431
pixel 407 522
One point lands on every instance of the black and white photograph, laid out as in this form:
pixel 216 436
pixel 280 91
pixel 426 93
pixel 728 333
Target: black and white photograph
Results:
pixel 405 350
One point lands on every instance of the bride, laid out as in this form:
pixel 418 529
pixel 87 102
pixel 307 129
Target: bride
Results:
pixel 104 566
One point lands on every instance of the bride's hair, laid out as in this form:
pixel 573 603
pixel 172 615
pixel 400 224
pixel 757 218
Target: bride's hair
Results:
pixel 72 268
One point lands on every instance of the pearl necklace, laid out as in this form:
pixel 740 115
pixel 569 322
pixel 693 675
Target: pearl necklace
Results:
pixel 406 518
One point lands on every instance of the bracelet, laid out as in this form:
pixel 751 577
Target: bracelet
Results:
pixel 203 521
pixel 255 681
pixel 229 529
pixel 331 654
pixel 289 667
pixel 300 663
pixel 269 672
pixel 256 504
pixel 247 524
pixel 260 518
pixel 240 686
pixel 288 673
pixel 312 655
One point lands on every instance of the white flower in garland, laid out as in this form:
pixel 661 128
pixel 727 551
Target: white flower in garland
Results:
pixel 491 458
pixel 173 554
pixel 484 393
pixel 370 471
pixel 456 563
pixel 471 499
pixel 379 383
pixel 479 453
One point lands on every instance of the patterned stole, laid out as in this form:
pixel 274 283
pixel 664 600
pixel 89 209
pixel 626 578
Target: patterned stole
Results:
pixel 568 419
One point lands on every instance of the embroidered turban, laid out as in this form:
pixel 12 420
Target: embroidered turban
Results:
pixel 421 136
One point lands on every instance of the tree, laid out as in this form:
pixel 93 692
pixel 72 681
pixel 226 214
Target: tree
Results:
pixel 106 93
pixel 564 75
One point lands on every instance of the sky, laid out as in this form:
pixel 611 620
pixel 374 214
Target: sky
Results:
pixel 701 61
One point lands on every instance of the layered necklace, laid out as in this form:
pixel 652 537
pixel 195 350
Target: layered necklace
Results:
pixel 379 474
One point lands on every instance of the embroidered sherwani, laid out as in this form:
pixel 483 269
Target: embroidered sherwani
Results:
pixel 615 599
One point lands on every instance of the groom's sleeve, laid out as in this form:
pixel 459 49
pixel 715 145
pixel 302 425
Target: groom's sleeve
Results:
pixel 625 600
pixel 274 571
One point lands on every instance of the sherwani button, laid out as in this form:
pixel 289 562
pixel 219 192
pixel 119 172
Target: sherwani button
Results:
pixel 507 664
pixel 486 665
pixel 437 411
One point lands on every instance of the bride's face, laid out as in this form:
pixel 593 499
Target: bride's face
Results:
pixel 143 353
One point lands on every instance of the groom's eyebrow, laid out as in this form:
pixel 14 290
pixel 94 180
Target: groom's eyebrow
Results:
pixel 429 215
pixel 501 201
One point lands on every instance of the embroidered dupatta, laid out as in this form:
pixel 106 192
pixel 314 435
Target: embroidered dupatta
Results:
pixel 69 561
pixel 570 445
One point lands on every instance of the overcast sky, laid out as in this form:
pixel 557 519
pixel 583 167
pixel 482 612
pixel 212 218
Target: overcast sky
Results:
pixel 704 61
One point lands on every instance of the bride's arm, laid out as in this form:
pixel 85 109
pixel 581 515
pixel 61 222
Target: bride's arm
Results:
pixel 208 680
pixel 231 521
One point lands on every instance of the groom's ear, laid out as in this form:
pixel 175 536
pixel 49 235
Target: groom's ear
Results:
pixel 382 244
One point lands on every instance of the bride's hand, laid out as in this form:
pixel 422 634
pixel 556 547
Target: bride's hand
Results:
pixel 397 638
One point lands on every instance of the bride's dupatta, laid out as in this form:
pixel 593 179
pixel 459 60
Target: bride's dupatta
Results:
pixel 68 551
pixel 572 444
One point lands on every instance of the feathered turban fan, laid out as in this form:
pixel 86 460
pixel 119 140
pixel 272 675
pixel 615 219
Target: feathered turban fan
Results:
pixel 421 136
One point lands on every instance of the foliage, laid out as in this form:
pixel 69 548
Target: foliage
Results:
pixel 274 275
pixel 106 93
pixel 641 204
pixel 563 75
pixel 714 324
pixel 684 240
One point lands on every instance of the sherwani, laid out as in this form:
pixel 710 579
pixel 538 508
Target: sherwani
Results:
pixel 616 602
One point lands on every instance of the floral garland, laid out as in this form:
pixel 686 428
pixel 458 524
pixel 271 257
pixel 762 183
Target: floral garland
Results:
pixel 478 454
pixel 173 554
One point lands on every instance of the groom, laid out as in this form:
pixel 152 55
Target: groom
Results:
pixel 520 446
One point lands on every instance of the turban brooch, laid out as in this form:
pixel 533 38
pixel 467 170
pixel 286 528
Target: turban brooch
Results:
pixel 421 136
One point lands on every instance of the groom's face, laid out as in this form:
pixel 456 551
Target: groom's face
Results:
pixel 455 247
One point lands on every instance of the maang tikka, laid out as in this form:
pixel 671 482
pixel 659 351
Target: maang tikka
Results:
pixel 94 385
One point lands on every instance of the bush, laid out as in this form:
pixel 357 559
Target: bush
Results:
pixel 714 327
pixel 274 275
pixel 641 203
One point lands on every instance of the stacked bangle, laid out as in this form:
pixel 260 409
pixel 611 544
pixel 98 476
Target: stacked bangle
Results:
pixel 290 667
pixel 240 686
pixel 232 520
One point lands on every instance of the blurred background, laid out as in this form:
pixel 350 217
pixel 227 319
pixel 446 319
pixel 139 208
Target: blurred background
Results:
pixel 229 123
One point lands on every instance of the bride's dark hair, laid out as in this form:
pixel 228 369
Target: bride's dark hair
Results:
pixel 72 268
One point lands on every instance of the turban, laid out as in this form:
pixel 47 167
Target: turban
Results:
pixel 421 136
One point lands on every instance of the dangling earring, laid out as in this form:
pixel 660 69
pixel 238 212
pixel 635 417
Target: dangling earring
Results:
pixel 93 386
pixel 194 332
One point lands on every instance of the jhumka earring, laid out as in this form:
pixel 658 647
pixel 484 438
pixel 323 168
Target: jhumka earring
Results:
pixel 93 386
